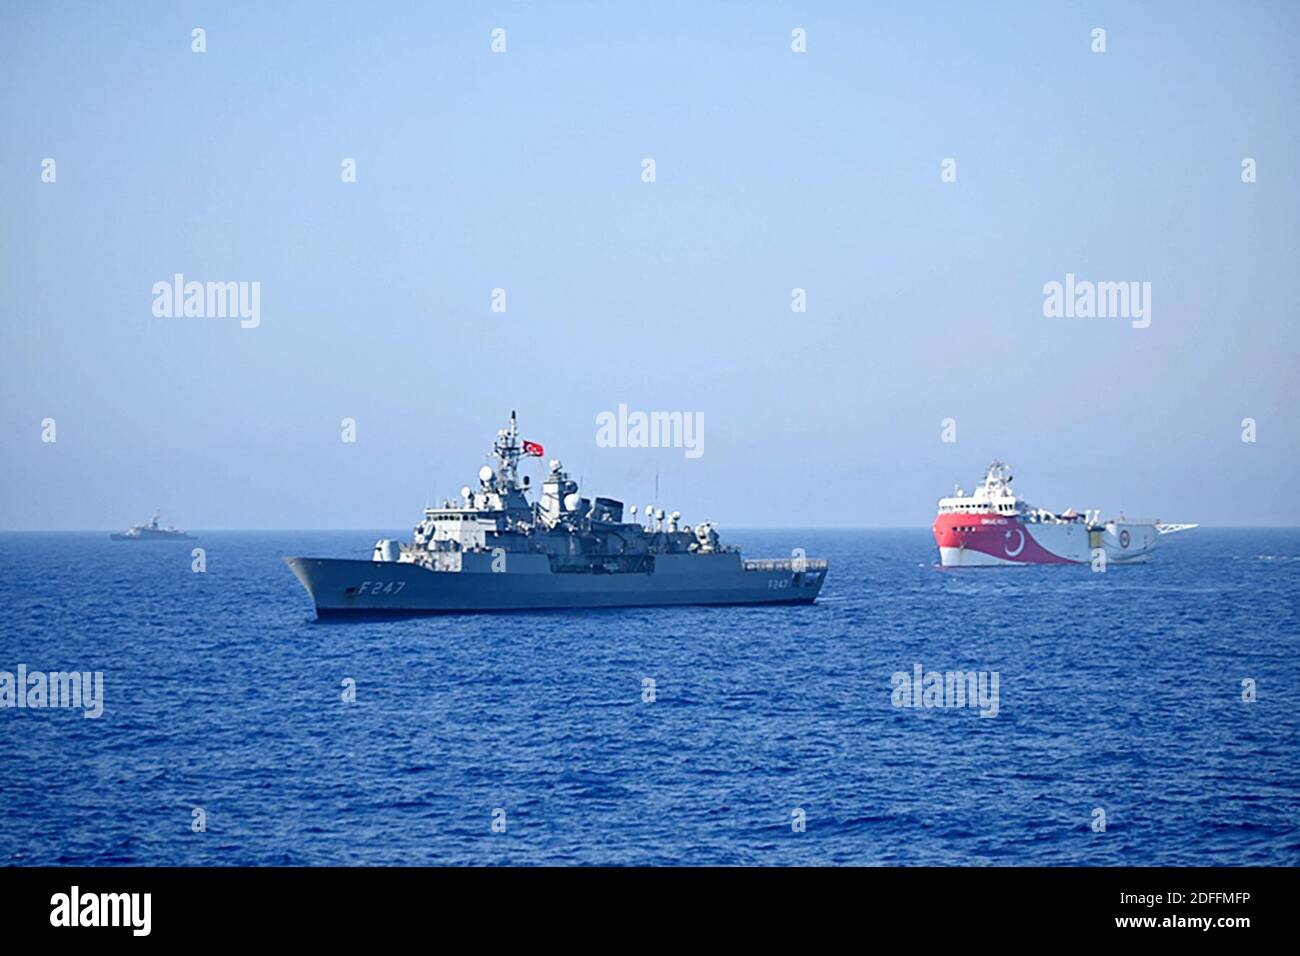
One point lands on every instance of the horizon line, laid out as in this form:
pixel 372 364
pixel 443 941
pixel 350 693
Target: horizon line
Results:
pixel 368 528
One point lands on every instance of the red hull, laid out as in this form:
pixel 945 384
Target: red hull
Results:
pixel 1004 539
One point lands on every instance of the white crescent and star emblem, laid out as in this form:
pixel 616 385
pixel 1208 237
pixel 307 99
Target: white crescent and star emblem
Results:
pixel 1019 547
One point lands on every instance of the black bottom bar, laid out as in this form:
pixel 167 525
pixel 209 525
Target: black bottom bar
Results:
pixel 335 904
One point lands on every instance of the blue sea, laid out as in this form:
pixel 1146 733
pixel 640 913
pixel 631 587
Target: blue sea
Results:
pixel 1119 692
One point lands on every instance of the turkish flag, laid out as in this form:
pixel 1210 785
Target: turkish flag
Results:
pixel 532 448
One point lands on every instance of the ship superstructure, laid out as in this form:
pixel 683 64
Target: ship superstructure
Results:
pixel 994 526
pixel 152 531
pixel 494 549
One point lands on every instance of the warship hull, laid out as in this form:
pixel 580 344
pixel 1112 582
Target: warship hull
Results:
pixel 344 587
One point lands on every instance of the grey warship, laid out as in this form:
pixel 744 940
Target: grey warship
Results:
pixel 151 532
pixel 494 550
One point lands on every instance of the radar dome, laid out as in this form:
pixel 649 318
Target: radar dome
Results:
pixel 485 473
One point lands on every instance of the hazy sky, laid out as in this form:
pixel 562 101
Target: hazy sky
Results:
pixel 522 170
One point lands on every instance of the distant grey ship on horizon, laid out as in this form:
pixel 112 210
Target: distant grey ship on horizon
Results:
pixel 494 550
pixel 151 532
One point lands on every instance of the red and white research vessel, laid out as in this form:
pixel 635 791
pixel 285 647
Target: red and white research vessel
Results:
pixel 993 527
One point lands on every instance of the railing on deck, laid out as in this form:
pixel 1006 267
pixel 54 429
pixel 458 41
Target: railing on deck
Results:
pixel 787 564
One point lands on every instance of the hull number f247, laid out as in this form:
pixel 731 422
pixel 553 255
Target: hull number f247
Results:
pixel 380 587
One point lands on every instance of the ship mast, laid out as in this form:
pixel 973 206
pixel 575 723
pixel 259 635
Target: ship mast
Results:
pixel 506 450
